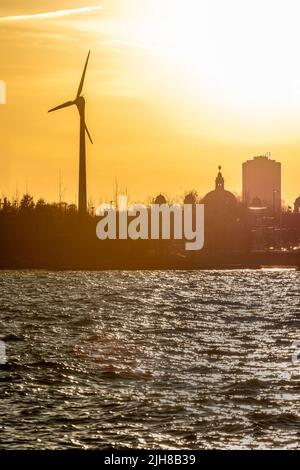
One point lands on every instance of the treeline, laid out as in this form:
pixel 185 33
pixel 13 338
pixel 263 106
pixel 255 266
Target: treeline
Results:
pixel 56 236
pixel 27 204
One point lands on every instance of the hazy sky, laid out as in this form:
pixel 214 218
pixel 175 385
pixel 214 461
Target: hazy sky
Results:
pixel 173 90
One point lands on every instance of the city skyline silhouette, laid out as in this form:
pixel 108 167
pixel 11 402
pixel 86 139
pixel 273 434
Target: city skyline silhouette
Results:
pixel 160 119
pixel 149 250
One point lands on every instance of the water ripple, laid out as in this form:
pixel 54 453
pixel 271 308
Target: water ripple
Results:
pixel 149 360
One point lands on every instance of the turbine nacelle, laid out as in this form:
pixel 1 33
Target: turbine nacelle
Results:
pixel 80 103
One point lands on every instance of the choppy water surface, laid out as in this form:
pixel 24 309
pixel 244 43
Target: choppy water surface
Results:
pixel 150 360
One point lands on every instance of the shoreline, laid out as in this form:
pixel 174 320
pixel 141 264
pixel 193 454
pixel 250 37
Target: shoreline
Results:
pixel 161 260
pixel 151 268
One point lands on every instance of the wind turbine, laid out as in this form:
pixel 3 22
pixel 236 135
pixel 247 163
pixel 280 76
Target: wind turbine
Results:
pixel 80 103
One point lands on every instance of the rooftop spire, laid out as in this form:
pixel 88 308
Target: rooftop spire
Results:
pixel 220 179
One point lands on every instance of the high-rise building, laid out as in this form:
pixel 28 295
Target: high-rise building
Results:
pixel 262 183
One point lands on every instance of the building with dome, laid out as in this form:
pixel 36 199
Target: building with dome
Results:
pixel 191 198
pixel 160 200
pixel 223 227
pixel 297 205
pixel 219 199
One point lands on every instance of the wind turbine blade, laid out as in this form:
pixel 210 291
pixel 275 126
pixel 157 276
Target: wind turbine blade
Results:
pixel 61 106
pixel 87 131
pixel 83 76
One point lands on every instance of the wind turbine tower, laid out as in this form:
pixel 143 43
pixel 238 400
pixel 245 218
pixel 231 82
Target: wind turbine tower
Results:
pixel 80 103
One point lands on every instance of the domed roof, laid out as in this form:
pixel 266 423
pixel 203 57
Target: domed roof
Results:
pixel 160 200
pixel 216 197
pixel 191 198
pixel 297 204
pixel 256 202
pixel 220 197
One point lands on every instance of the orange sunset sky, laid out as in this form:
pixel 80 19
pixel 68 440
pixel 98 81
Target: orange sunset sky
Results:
pixel 174 88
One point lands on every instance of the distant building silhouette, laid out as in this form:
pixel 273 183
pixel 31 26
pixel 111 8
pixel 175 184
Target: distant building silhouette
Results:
pixel 297 205
pixel 220 199
pixel 160 200
pixel 262 183
pixel 191 198
pixel 221 218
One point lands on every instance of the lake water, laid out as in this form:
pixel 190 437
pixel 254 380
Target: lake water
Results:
pixel 153 360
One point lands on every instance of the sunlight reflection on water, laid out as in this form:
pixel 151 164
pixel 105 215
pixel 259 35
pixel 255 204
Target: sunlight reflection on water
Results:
pixel 149 359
